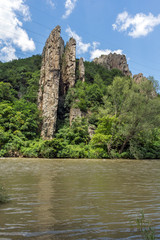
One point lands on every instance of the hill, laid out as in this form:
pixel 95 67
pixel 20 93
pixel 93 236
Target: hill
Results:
pixel 99 112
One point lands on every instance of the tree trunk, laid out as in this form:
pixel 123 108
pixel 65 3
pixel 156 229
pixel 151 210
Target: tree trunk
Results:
pixel 124 143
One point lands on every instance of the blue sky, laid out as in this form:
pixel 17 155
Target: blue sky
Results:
pixel 131 27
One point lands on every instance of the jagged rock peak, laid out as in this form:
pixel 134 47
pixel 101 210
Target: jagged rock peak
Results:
pixel 81 70
pixel 138 78
pixel 114 60
pixel 48 95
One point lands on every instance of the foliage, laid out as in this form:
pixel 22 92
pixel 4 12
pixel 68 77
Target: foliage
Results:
pixel 77 133
pixel 138 112
pixel 107 76
pixel 7 93
pixel 144 227
pixel 41 148
pixel 125 115
pixel 21 76
pixel 105 133
pixel 84 96
pixel 19 118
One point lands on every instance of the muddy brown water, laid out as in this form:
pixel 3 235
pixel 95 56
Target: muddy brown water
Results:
pixel 78 199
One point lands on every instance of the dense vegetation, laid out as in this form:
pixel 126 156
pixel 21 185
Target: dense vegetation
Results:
pixel 124 116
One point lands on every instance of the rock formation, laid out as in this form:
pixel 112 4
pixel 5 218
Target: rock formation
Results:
pixel 74 113
pixel 114 60
pixel 49 82
pixel 57 71
pixel 68 67
pixel 138 78
pixel 81 70
pixel 58 74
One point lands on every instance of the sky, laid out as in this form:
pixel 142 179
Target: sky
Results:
pixel 130 27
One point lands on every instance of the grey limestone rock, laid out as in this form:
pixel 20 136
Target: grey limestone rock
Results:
pixel 57 75
pixel 81 70
pixel 48 95
pixel 74 113
pixel 138 78
pixel 68 67
pixel 114 60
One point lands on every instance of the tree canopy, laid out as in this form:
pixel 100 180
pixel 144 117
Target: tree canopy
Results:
pixel 121 118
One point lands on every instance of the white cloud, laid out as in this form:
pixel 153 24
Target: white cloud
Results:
pixel 137 26
pixel 7 53
pixel 92 47
pixel 95 45
pixel 69 6
pixel 98 52
pixel 12 34
pixel 51 3
pixel 81 47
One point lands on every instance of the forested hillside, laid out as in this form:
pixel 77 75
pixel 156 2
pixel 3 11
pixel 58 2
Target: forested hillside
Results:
pixel 120 118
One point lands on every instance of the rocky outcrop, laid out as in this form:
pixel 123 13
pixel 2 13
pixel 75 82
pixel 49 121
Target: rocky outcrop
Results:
pixel 68 67
pixel 91 130
pixel 138 78
pixel 81 70
pixel 75 113
pixel 48 95
pixel 114 60
pixel 57 75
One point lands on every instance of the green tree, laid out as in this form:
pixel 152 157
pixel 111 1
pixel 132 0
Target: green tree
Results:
pixel 135 105
pixel 7 93
pixel 105 133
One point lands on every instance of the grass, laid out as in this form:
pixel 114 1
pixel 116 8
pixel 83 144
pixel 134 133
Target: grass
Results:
pixel 144 227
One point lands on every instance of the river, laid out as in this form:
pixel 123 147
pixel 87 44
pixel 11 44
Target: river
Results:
pixel 78 199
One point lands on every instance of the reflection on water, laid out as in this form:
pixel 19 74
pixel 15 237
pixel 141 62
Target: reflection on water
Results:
pixel 78 199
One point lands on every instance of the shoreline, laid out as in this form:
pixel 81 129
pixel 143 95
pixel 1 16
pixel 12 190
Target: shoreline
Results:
pixel 87 159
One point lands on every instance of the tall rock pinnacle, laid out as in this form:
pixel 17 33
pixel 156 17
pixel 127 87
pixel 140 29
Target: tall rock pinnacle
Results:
pixel 57 75
pixel 49 82
pixel 81 70
pixel 68 67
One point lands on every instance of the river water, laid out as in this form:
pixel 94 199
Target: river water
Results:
pixel 78 199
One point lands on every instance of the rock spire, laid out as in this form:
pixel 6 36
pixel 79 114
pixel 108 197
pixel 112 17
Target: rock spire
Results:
pixel 68 67
pixel 81 70
pixel 57 70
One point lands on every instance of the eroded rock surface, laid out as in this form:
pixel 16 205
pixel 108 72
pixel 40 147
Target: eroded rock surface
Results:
pixel 114 60
pixel 48 95
pixel 57 75
pixel 74 113
pixel 81 70
pixel 68 67
pixel 138 78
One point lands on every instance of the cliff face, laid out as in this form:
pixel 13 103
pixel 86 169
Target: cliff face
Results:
pixel 49 82
pixel 81 70
pixel 114 61
pixel 57 75
pixel 68 67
